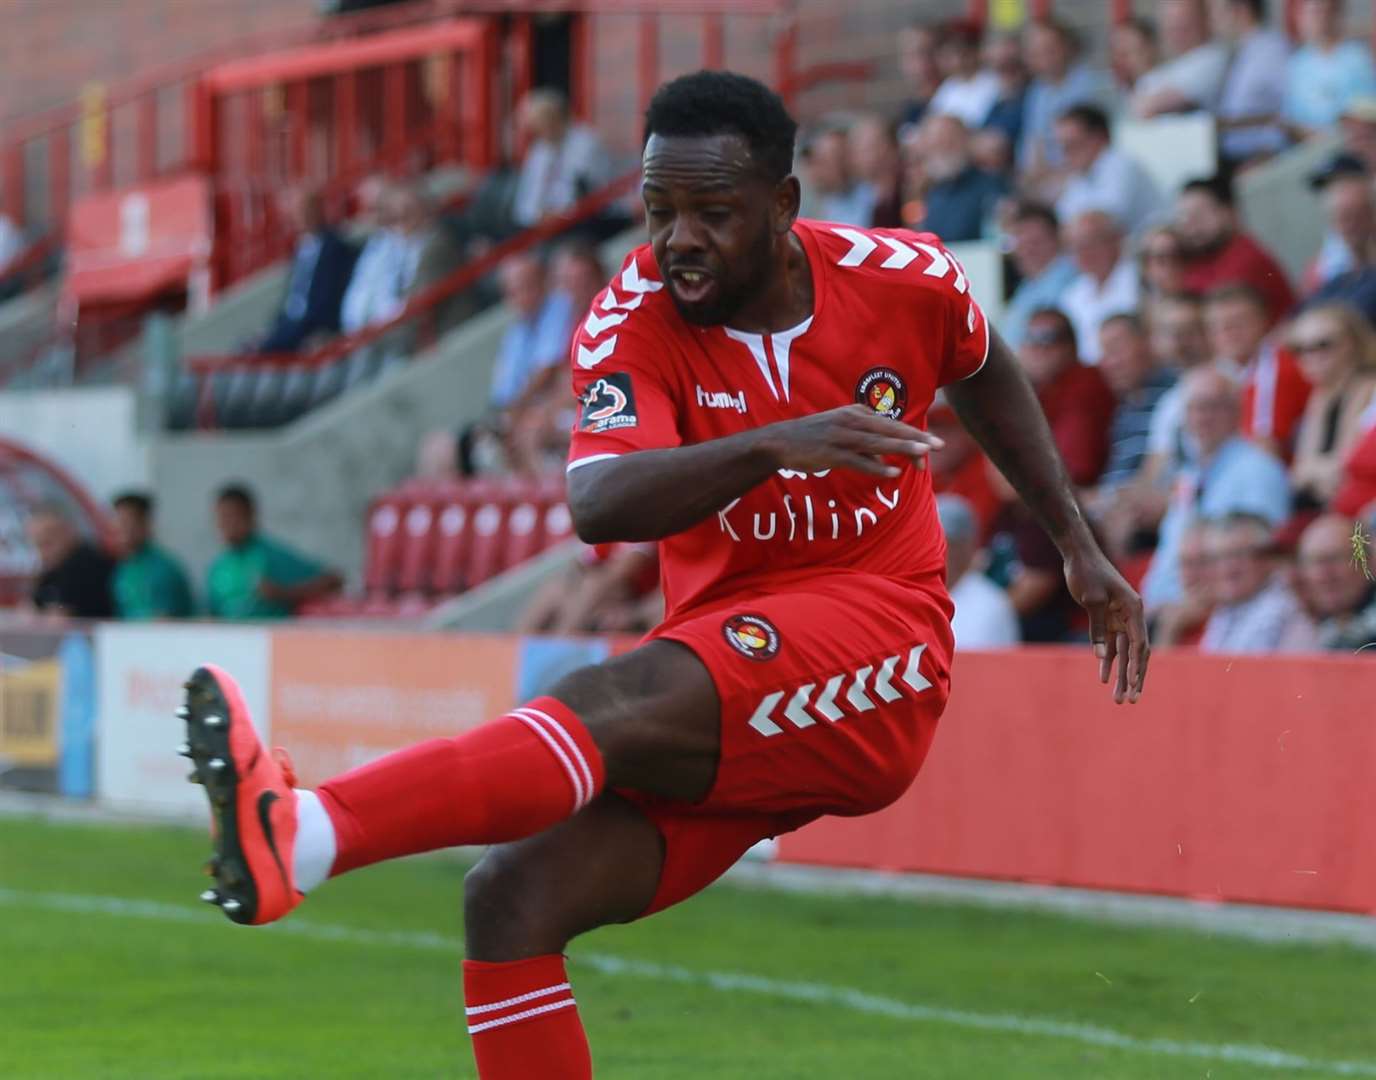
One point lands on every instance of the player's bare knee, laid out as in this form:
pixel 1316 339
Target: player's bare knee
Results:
pixel 509 911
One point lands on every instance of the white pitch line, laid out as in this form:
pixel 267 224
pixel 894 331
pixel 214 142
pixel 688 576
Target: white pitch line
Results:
pixel 811 993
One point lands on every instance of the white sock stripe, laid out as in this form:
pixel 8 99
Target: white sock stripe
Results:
pixel 574 778
pixel 514 1017
pixel 519 999
pixel 562 732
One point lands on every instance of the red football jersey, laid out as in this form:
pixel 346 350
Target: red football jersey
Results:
pixel 892 321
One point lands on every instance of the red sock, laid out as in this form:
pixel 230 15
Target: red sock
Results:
pixel 523 1021
pixel 503 781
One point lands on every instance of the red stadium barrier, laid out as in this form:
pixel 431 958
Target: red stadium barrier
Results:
pixel 1242 779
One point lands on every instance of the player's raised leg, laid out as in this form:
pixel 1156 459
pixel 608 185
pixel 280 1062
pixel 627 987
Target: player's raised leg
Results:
pixel 648 719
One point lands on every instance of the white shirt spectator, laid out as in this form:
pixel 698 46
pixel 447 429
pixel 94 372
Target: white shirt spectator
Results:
pixel 1088 304
pixel 1271 621
pixel 11 242
pixel 382 277
pixel 1196 75
pixel 1117 185
pixel 984 617
pixel 969 100
pixel 1255 86
pixel 555 176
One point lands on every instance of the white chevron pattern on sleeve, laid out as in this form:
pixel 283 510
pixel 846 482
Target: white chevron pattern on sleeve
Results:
pixel 590 358
pixel 595 324
pixel 861 246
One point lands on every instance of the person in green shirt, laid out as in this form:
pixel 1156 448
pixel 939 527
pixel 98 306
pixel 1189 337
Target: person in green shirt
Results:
pixel 256 577
pixel 149 583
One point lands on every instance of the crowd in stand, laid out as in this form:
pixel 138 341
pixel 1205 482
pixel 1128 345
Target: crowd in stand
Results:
pixel 252 577
pixel 1218 419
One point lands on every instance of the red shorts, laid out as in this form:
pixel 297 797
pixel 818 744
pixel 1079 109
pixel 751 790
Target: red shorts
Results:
pixel 830 689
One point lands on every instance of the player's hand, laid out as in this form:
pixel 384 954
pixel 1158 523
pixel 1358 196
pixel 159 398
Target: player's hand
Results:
pixel 851 437
pixel 1117 625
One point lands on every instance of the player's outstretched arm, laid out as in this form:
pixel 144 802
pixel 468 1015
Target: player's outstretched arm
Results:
pixel 999 408
pixel 651 494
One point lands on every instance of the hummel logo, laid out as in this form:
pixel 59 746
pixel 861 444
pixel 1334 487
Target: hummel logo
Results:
pixel 722 400
pixel 590 358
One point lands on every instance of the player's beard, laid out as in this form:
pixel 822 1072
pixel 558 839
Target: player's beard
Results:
pixel 743 280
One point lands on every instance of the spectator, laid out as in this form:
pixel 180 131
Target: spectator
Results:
pixel 1077 402
pixel 1179 343
pixel 610 587
pixel 962 469
pixel 1226 475
pixel 1133 51
pixel 541 422
pixel 1340 596
pixel 1358 127
pixel 1357 492
pixel 961 198
pixel 1336 349
pixel 984 617
pixel 1045 270
pixel 1006 116
pixel 967 90
pixel 321 265
pixel 1253 95
pixel 1193 77
pixel 148 582
pixel 1255 610
pixel 73 574
pixel 1107 281
pixel 1127 366
pixel 563 163
pixel 1218 252
pixel 1350 242
pixel 830 193
pixel 532 353
pixel 876 162
pixel 1325 74
pixel 437 456
pixel 374 293
pixel 1274 388
pixel 917 49
pixel 1182 621
pixel 256 577
pixel 1060 80
pixel 428 254
pixel 538 337
pixel 1163 265
pixel 1101 177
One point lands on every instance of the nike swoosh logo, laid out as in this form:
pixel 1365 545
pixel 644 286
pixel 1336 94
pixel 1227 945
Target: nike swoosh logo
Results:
pixel 265 802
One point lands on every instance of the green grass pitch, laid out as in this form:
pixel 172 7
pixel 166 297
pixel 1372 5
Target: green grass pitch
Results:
pixel 110 968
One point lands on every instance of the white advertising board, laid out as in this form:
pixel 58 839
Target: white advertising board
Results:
pixel 141 670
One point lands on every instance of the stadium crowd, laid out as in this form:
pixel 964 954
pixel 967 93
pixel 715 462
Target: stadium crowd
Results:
pixel 1218 418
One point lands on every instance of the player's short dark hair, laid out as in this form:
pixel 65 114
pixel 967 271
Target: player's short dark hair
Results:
pixel 239 493
pixel 139 501
pixel 725 103
pixel 1031 210
pixel 1067 327
pixel 1090 117
pixel 1235 291
pixel 1217 187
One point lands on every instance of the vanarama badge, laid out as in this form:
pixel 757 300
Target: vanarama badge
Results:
pixel 884 391
pixel 752 635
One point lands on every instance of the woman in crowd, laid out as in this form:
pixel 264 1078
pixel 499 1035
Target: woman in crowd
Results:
pixel 1336 350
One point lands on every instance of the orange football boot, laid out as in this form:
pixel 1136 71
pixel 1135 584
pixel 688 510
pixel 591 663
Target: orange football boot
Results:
pixel 252 802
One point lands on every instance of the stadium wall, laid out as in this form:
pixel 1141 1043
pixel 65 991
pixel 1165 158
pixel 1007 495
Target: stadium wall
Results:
pixel 1234 779
pixel 50 50
pixel 92 432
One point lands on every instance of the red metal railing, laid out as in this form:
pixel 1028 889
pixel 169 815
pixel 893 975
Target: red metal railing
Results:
pixel 421 311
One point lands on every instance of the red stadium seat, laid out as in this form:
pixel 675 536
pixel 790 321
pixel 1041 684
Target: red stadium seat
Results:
pixel 451 541
pixel 525 528
pixel 384 545
pixel 488 506
pixel 558 523
pixel 419 533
